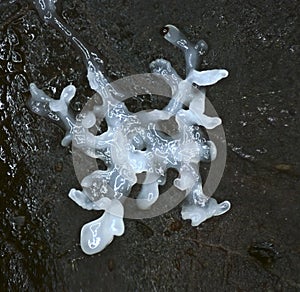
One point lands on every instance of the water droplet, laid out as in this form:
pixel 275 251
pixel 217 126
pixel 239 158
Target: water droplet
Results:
pixel 12 37
pixel 16 57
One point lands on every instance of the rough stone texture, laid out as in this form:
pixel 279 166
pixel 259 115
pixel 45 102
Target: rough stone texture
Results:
pixel 254 247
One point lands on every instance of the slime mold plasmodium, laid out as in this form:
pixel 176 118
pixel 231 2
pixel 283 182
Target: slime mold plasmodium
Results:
pixel 134 143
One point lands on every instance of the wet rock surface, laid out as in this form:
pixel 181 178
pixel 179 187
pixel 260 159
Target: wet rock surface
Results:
pixel 254 247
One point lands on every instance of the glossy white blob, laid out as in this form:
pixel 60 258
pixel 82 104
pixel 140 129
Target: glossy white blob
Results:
pixel 89 120
pixel 97 234
pixel 205 78
pixel 148 196
pixel 199 214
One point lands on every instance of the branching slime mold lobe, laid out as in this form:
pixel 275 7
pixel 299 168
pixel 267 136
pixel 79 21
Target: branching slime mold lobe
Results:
pixel 134 143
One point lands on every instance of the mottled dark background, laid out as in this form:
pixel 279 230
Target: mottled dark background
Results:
pixel 254 247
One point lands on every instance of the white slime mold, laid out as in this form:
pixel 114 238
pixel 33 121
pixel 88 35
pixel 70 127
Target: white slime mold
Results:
pixel 134 143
